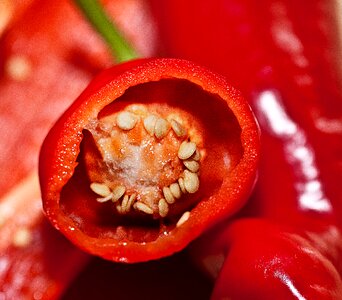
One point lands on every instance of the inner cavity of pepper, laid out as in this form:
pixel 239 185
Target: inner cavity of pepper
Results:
pixel 137 163
pixel 147 160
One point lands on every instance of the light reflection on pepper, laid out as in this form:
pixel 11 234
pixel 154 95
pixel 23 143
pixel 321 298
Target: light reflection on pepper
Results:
pixel 298 153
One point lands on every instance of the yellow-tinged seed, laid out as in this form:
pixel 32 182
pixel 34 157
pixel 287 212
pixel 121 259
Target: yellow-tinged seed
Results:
pixel 179 130
pixel 118 192
pixel 191 181
pixel 186 150
pixel 124 204
pixel 183 219
pixel 100 189
pixel 126 120
pixel 196 156
pixel 161 128
pixel 143 207
pixel 163 208
pixel 104 199
pixel 175 190
pixel 192 165
pixel 130 201
pixel 168 195
pixel 150 123
pixel 181 185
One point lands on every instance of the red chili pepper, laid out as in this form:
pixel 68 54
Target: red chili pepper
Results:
pixel 291 80
pixel 120 170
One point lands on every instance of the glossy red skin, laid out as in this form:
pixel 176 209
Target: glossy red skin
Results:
pixel 267 49
pixel 51 36
pixel 62 146
pixel 260 259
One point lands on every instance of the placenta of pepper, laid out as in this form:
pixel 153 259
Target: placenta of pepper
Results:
pixel 145 159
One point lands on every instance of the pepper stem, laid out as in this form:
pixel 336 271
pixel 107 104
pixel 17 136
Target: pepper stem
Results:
pixel 96 15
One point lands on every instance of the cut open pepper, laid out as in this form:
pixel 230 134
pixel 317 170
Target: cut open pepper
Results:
pixel 150 155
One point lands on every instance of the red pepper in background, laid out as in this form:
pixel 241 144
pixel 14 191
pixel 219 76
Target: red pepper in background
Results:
pixel 36 261
pixel 284 57
pixel 11 11
pixel 199 124
pixel 28 74
pixel 260 259
pixel 44 65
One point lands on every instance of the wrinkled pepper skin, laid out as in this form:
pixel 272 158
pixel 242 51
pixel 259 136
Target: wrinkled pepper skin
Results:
pixel 293 83
pixel 66 193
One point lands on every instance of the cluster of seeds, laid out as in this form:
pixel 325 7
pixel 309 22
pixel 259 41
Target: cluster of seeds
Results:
pixel 114 195
pixel 154 125
pixel 187 183
pixel 188 154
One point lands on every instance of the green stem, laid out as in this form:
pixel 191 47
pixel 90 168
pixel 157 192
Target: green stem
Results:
pixel 96 15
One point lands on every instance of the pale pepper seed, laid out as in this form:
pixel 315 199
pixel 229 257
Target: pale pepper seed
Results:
pixel 196 156
pixel 118 192
pixel 163 208
pixel 168 195
pixel 192 165
pixel 150 123
pixel 100 189
pixel 127 202
pixel 178 128
pixel 191 181
pixel 175 190
pixel 181 185
pixel 131 200
pixel 183 219
pixel 186 150
pixel 126 120
pixel 124 204
pixel 143 207
pixel 161 128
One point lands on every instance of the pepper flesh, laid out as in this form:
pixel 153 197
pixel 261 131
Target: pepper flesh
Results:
pixel 229 167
